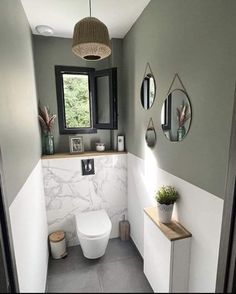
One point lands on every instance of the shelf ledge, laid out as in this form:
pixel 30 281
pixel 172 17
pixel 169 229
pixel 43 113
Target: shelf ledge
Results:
pixel 173 231
pixel 84 154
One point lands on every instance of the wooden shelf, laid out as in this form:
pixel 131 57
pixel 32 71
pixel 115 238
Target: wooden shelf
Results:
pixel 173 231
pixel 84 154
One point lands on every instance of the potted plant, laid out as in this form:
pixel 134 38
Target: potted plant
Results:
pixel 47 121
pixel 166 196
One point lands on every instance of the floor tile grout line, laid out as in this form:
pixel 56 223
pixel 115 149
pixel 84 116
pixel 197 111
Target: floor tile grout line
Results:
pixel 79 268
pixel 100 280
pixel 99 264
pixel 118 259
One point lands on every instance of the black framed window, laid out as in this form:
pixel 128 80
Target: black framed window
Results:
pixel 87 99
pixel 104 89
pixel 74 99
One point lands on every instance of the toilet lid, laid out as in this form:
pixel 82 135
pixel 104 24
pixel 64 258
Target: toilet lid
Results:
pixel 93 224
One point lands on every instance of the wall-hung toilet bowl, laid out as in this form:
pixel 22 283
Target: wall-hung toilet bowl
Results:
pixel 93 229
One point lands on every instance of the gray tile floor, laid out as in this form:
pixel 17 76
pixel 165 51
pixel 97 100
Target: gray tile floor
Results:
pixel 119 270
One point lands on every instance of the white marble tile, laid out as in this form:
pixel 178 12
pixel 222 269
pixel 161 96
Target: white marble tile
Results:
pixel 67 192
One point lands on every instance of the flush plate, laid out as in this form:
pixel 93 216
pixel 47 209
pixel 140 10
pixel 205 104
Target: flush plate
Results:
pixel 88 167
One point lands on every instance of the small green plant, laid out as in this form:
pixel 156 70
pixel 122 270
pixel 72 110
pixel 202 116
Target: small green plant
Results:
pixel 166 195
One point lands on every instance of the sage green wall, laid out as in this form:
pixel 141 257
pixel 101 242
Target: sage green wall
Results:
pixel 51 51
pixel 117 61
pixel 19 129
pixel 195 39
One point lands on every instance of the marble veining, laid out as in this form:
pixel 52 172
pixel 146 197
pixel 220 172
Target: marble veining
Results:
pixel 67 192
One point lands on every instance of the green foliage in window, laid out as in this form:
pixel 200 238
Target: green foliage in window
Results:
pixel 76 96
pixel 151 90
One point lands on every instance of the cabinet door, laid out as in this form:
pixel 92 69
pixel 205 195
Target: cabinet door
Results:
pixel 157 257
pixel 180 268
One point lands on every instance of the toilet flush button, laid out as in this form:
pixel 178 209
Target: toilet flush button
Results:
pixel 88 167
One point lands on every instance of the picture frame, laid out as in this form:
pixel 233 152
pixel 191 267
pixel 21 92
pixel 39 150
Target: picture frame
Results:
pixel 76 144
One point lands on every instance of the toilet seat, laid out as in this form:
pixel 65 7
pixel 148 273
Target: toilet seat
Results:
pixel 93 224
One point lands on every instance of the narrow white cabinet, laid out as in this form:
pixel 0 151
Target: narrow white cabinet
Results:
pixel 166 254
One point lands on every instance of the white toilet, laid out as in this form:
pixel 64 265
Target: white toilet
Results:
pixel 93 229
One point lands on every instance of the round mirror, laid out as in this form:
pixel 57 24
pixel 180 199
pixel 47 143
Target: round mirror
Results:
pixel 150 137
pixel 176 115
pixel 148 91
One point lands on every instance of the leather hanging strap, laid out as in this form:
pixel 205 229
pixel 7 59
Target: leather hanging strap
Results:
pixel 176 77
pixel 146 70
pixel 150 124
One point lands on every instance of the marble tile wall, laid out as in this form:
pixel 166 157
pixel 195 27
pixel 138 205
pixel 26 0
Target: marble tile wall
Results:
pixel 67 192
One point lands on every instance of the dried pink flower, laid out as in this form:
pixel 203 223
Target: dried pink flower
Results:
pixel 182 115
pixel 46 121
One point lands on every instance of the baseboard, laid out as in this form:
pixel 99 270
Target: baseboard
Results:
pixel 132 241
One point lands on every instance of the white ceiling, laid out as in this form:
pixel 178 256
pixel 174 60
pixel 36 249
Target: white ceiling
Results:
pixel 62 15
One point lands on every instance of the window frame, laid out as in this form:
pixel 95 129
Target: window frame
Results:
pixel 111 73
pixel 59 71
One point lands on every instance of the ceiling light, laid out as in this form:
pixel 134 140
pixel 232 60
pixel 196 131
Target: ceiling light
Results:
pixel 44 30
pixel 91 39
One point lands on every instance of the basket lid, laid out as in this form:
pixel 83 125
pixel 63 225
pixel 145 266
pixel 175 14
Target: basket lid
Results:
pixel 57 236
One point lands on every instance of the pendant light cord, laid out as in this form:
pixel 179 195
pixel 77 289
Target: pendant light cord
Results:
pixel 90 7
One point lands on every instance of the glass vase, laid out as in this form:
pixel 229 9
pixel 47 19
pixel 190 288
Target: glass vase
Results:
pixel 48 144
pixel 181 133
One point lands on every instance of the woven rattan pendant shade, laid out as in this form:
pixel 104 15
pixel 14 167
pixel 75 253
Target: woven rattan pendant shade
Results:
pixel 91 39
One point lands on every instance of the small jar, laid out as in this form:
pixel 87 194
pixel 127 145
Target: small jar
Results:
pixel 100 147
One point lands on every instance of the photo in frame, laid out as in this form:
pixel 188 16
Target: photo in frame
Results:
pixel 76 144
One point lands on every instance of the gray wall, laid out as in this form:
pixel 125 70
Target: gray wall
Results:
pixel 117 61
pixel 196 40
pixel 19 129
pixel 51 51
